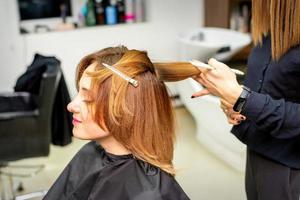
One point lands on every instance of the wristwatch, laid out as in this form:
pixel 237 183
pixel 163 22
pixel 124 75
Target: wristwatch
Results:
pixel 241 101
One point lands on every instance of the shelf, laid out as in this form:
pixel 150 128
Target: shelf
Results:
pixel 226 13
pixel 91 28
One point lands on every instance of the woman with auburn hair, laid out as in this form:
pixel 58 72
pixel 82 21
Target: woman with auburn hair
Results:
pixel 266 111
pixel 124 108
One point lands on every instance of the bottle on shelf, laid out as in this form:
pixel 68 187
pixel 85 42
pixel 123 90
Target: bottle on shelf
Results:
pixel 111 12
pixel 63 12
pixel 64 25
pixel 240 17
pixel 129 11
pixel 90 16
pixel 234 19
pixel 99 11
pixel 140 10
pixel 121 11
pixel 244 20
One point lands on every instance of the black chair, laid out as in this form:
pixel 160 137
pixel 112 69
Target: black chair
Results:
pixel 25 120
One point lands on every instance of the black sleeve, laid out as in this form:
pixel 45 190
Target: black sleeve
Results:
pixel 280 118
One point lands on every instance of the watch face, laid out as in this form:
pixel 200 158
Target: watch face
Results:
pixel 238 106
pixel 241 105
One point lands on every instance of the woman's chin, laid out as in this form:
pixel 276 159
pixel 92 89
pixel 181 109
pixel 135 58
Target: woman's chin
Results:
pixel 83 135
pixel 77 135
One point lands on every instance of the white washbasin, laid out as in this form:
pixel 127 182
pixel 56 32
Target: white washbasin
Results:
pixel 212 128
pixel 204 43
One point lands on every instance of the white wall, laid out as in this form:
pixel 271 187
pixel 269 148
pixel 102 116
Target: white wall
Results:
pixel 11 45
pixel 166 19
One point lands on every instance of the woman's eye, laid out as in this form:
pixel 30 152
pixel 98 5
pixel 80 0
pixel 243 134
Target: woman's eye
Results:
pixel 87 101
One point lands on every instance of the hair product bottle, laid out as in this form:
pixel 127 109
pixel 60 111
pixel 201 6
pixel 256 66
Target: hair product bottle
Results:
pixel 111 12
pixel 140 10
pixel 121 11
pixel 90 16
pixel 99 10
pixel 130 11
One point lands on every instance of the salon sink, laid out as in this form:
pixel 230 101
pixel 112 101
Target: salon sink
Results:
pixel 213 130
pixel 207 42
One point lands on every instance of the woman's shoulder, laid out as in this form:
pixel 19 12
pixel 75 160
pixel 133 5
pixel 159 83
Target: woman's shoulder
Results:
pixel 155 182
pixel 170 188
pixel 138 180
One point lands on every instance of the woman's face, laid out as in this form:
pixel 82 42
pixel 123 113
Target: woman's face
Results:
pixel 81 107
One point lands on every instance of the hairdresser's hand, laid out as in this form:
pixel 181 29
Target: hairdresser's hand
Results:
pixel 233 117
pixel 220 81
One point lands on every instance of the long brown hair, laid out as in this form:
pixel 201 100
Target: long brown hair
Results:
pixel 140 118
pixel 281 20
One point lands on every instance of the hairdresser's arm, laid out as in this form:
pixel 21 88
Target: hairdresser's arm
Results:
pixel 280 118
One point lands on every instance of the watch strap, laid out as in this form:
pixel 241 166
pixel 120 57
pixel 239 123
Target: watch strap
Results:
pixel 241 101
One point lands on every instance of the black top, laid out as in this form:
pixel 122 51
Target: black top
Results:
pixel 272 128
pixel 96 174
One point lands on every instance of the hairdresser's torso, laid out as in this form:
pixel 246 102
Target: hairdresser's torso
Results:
pixel 280 80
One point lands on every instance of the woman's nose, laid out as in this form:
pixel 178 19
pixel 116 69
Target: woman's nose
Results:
pixel 73 107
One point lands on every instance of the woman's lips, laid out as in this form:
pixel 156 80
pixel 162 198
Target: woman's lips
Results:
pixel 76 121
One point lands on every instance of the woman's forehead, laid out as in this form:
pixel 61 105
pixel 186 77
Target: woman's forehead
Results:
pixel 85 80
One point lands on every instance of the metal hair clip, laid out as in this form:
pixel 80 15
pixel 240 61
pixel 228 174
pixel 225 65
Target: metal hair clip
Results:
pixel 132 81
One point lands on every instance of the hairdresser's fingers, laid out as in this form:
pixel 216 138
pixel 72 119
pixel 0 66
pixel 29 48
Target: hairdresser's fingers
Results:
pixel 237 116
pixel 202 79
pixel 221 73
pixel 216 64
pixel 201 93
pixel 202 70
pixel 233 122
pixel 230 120
pixel 224 108
pixel 198 79
pixel 206 81
pixel 228 110
pixel 226 104
pixel 208 85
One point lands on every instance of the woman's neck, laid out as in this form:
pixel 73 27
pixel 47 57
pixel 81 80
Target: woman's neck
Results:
pixel 111 145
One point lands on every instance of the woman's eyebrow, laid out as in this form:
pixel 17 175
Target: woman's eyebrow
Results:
pixel 85 89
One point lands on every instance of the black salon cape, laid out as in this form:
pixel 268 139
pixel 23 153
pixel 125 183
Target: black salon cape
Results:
pixel 96 174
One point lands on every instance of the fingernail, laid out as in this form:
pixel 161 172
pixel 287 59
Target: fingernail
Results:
pixel 192 96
